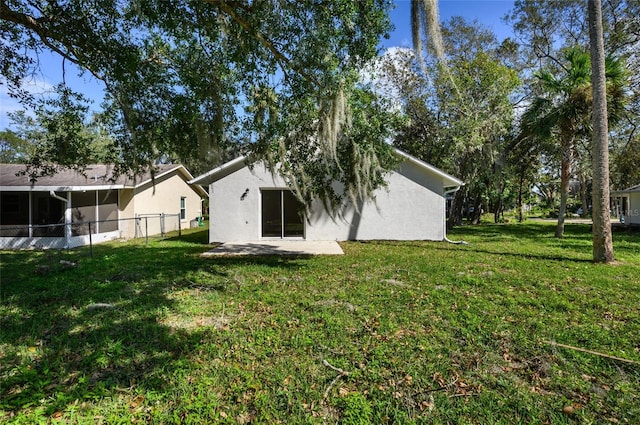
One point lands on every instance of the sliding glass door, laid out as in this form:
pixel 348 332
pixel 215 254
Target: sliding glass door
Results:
pixel 281 214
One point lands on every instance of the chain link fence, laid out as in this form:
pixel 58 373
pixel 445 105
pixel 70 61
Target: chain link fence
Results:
pixel 75 234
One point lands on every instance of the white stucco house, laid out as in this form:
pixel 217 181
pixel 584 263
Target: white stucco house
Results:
pixel 250 204
pixel 630 205
pixel 55 211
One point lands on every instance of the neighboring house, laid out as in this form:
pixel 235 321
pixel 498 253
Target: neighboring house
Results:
pixel 115 208
pixel 250 204
pixel 629 205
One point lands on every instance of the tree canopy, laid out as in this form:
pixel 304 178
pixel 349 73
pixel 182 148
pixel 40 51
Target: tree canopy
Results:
pixel 198 80
pixel 458 106
pixel 185 77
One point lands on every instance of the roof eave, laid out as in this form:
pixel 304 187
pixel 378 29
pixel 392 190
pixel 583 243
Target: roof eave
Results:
pixel 181 169
pixel 448 180
pixel 162 174
pixel 227 168
pixel 218 172
pixel 632 189
pixel 36 188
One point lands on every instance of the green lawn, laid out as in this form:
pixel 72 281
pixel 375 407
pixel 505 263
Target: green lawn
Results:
pixel 391 332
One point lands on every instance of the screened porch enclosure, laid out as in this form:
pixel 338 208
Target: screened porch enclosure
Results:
pixel 38 214
pixel 100 206
pixel 281 214
pixel 19 211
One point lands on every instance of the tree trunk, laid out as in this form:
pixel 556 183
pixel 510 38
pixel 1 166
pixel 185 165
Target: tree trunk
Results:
pixel 477 210
pixel 565 178
pixel 520 212
pixel 455 214
pixel 583 194
pixel 602 238
pixel 499 206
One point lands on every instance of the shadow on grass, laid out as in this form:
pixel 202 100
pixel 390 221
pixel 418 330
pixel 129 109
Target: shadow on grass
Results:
pixel 575 243
pixel 482 237
pixel 94 329
pixel 522 255
pixel 534 231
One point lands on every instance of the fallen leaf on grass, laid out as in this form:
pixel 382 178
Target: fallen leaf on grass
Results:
pixel 244 418
pixel 408 379
pixel 439 379
pixel 136 402
pixel 428 404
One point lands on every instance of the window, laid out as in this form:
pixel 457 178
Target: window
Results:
pixel 281 215
pixel 183 208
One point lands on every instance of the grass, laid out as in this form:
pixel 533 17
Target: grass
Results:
pixel 392 332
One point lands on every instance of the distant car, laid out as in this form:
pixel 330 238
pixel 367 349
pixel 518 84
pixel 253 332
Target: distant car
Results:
pixel 580 210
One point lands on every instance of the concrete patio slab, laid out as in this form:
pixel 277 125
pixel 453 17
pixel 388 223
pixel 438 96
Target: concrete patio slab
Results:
pixel 276 247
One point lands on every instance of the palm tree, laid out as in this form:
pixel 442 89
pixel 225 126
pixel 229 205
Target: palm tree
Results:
pixel 602 239
pixel 563 111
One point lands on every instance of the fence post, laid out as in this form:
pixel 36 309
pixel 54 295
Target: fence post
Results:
pixel 90 241
pixel 179 226
pixel 146 230
pixel 162 232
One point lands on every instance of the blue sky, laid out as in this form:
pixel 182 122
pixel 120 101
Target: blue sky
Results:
pixel 488 13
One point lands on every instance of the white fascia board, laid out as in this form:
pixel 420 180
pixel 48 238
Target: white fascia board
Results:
pixel 164 173
pixel 631 189
pixel 234 165
pixel 187 177
pixel 37 188
pixel 448 179
pixel 219 172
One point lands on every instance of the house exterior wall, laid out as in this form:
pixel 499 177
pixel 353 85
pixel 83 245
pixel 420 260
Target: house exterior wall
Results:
pixel 234 212
pixel 633 217
pixel 411 207
pixel 162 198
pixel 127 203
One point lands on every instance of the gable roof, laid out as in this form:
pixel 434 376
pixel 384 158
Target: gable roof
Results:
pixel 448 179
pixel 635 188
pixel 97 177
pixel 220 172
pixel 241 162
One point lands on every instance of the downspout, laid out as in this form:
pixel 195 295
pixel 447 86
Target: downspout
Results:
pixel 67 215
pixel 58 197
pixel 446 239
